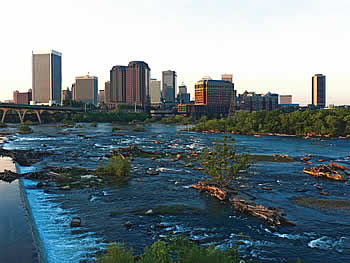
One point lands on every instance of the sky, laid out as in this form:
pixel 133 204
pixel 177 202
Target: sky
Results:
pixel 268 45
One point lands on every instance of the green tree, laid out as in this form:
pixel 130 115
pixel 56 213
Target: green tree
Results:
pixel 223 164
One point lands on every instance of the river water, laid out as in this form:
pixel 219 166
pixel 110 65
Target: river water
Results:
pixel 319 235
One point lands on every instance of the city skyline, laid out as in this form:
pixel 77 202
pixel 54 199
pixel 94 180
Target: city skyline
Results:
pixel 276 49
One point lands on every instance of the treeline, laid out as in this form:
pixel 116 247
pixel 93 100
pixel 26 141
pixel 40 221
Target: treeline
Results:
pixel 333 123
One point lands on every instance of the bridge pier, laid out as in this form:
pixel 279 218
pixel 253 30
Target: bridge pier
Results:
pixel 19 115
pixel 4 111
pixel 38 115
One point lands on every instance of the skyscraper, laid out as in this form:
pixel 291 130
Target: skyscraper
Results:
pixel 86 89
pixel 319 90
pixel 107 96
pixel 118 84
pixel 130 84
pixel 46 77
pixel 169 86
pixel 137 84
pixel 155 92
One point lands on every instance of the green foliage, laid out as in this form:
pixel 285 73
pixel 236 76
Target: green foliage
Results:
pixel 94 124
pixel 175 249
pixel 30 123
pixel 24 129
pixel 335 122
pixel 223 164
pixel 116 166
pixel 117 253
pixel 139 128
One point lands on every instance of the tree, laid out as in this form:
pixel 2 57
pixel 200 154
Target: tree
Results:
pixel 224 165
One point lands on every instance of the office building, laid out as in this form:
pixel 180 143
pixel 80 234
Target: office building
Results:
pixel 131 84
pixel 213 92
pixel 250 101
pixel 183 97
pixel 101 96
pixel 107 96
pixel 169 86
pixel 285 99
pixel 182 88
pixel 137 84
pixel 46 77
pixel 227 77
pixel 86 88
pixel 118 84
pixel 22 97
pixel 155 92
pixel 66 94
pixel 319 90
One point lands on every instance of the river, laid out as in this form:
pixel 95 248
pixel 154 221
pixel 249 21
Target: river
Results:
pixel 319 235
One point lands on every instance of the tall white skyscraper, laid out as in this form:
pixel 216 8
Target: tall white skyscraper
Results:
pixel 46 77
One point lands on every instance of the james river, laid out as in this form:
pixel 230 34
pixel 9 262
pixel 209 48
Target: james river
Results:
pixel 319 235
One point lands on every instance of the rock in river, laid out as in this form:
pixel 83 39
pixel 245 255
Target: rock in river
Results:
pixel 76 222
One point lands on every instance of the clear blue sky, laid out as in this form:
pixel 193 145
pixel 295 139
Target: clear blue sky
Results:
pixel 270 45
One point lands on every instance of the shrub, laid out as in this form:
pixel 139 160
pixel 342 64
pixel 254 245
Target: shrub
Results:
pixel 176 249
pixel 139 128
pixel 94 124
pixel 24 129
pixel 117 166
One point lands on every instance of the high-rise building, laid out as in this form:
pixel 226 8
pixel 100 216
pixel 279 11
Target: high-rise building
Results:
pixel 86 88
pixel 107 97
pixel 319 90
pixel 169 86
pixel 213 92
pixel 227 77
pixel 22 97
pixel 182 88
pixel 137 84
pixel 66 95
pixel 118 83
pixel 285 99
pixel 101 96
pixel 131 84
pixel 155 92
pixel 183 97
pixel 46 77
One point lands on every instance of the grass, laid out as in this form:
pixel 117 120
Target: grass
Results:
pixel 270 158
pixel 316 203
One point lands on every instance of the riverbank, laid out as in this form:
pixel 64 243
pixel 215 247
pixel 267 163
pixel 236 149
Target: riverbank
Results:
pixel 16 240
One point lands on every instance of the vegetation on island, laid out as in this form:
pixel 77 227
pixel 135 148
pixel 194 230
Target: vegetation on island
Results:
pixel 24 129
pixel 116 166
pixel 139 128
pixel 333 123
pixel 223 164
pixel 174 249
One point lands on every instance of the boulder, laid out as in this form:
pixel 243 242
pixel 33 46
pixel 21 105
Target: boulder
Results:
pixel 127 224
pixel 149 212
pixel 75 222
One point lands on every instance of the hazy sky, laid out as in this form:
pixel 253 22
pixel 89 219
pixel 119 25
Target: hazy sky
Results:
pixel 268 45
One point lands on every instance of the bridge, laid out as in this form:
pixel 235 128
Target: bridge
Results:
pixel 22 109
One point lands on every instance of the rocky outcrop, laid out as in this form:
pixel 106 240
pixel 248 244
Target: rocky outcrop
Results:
pixel 24 157
pixel 272 216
